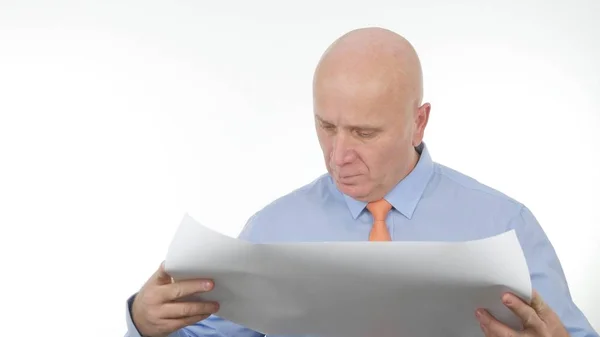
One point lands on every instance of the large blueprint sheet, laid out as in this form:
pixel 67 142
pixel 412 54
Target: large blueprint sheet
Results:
pixel 353 289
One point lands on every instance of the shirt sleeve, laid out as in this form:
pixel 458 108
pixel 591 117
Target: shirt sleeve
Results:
pixel 547 275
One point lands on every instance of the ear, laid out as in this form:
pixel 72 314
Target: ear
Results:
pixel 421 119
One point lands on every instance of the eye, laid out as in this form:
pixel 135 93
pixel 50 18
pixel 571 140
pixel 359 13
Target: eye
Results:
pixel 365 134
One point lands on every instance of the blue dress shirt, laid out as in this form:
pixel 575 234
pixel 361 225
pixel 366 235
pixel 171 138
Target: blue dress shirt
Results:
pixel 433 202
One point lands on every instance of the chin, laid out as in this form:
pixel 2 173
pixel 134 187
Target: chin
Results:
pixel 358 192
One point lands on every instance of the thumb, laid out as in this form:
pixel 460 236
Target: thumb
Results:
pixel 161 275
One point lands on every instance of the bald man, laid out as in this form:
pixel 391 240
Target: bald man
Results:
pixel 381 184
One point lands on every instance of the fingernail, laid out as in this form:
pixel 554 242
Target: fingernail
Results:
pixel 206 285
pixel 483 318
pixel 506 299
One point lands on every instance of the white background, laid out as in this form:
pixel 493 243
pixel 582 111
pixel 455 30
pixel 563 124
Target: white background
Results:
pixel 116 118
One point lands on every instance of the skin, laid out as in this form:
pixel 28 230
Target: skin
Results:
pixel 158 310
pixel 367 94
pixel 537 318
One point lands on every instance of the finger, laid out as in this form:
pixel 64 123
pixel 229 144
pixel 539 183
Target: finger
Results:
pixel 178 290
pixel 492 327
pixel 529 317
pixel 538 304
pixel 188 309
pixel 485 330
pixel 161 276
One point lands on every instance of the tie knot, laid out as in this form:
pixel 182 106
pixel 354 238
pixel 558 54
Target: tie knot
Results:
pixel 379 209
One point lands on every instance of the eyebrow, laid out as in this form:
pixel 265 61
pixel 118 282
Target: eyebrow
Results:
pixel 317 117
pixel 359 127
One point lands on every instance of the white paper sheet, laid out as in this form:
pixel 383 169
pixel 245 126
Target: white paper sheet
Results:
pixel 353 289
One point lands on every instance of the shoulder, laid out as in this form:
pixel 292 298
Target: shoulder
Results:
pixel 294 204
pixel 470 191
pixel 544 266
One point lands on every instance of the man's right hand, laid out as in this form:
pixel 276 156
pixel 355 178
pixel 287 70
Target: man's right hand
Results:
pixel 156 311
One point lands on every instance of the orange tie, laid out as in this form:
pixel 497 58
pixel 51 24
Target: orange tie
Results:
pixel 379 209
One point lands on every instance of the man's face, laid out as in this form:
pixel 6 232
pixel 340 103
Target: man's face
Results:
pixel 367 131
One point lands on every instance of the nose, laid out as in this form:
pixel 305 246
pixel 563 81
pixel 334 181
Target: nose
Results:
pixel 342 150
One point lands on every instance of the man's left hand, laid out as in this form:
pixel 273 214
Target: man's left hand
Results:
pixel 538 319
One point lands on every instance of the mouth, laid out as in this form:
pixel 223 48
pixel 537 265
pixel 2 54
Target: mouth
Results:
pixel 348 179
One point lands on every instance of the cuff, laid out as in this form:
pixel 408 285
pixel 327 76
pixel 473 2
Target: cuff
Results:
pixel 132 331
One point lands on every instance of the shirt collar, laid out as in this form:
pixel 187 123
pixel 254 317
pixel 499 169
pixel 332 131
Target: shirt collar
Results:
pixel 405 196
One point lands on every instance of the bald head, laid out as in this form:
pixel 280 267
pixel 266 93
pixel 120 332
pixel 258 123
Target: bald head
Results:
pixel 367 94
pixel 373 58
